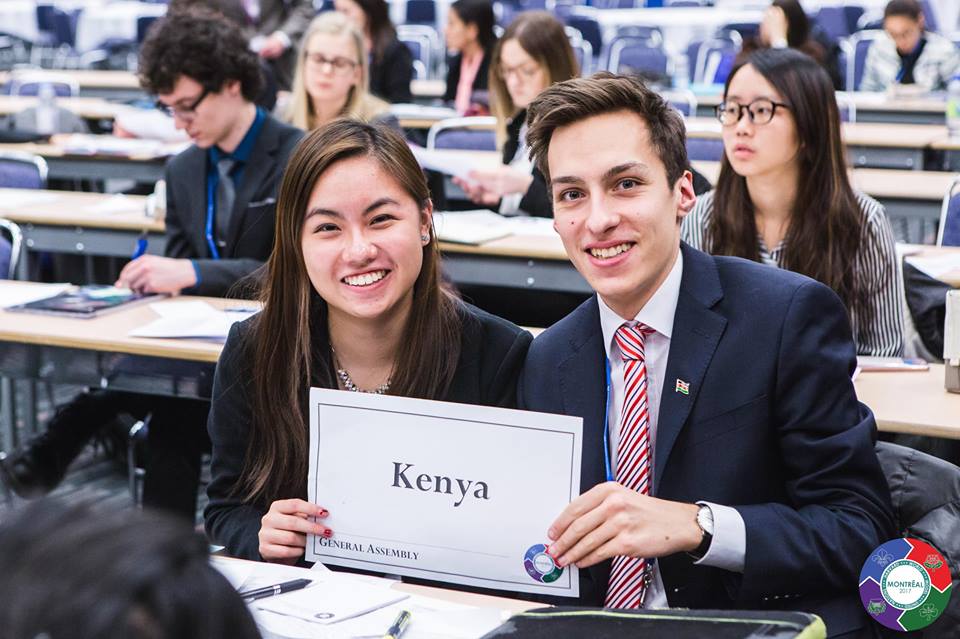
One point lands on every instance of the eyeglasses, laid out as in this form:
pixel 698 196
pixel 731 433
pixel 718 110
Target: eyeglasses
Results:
pixel 760 111
pixel 338 64
pixel 187 113
pixel 523 72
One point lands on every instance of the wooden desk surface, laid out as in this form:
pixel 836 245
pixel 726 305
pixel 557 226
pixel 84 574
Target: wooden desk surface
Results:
pixel 88 108
pixel 912 402
pixel 878 183
pixel 107 333
pixel 73 208
pixel 87 78
pixel 56 149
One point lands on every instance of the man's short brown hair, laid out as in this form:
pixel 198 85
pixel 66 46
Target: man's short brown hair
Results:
pixel 568 102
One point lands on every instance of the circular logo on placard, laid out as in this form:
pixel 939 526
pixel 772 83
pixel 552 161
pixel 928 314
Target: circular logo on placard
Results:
pixel 905 584
pixel 541 566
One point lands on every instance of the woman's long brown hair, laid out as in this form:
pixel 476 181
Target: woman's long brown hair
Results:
pixel 826 226
pixel 289 343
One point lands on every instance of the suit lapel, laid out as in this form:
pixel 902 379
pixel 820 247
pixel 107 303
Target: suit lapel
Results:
pixel 696 332
pixel 254 173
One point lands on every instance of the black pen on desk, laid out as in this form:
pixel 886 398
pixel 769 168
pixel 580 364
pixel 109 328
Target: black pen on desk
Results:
pixel 277 589
pixel 399 625
pixel 141 246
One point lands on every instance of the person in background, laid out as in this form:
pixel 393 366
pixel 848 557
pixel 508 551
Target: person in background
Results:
pixel 220 201
pixel 332 76
pixel 79 571
pixel 391 63
pixel 274 28
pixel 907 54
pixel 532 54
pixel 353 300
pixel 470 33
pixel 785 24
pixel 783 196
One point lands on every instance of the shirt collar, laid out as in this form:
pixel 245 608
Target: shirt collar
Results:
pixel 245 148
pixel 657 313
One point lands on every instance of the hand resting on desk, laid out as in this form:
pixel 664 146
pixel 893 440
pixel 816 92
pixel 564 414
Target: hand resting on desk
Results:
pixel 610 520
pixel 155 274
pixel 283 530
pixel 487 186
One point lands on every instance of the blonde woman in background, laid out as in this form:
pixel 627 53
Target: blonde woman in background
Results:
pixel 332 76
pixel 532 54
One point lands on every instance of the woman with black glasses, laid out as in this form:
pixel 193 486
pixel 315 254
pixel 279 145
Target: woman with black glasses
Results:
pixel 783 196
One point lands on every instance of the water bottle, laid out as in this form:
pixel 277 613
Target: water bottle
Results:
pixel 46 109
pixel 953 107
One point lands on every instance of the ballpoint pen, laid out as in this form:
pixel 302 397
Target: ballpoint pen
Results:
pixel 141 246
pixel 277 589
pixel 399 625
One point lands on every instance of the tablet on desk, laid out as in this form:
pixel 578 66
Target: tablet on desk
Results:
pixel 84 302
pixel 874 364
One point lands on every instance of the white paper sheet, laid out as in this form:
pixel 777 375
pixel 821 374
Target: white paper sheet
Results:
pixel 936 265
pixel 16 295
pixel 191 320
pixel 117 204
pixel 424 111
pixel 445 471
pixel 330 600
pixel 446 163
pixel 470 227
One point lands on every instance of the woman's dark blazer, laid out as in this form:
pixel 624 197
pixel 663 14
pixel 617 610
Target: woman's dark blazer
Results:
pixel 491 356
pixel 536 201
pixel 480 82
pixel 391 73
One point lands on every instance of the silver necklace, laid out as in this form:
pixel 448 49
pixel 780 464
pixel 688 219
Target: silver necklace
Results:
pixel 348 382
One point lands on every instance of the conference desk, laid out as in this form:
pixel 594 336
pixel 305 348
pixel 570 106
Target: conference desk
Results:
pixel 67 164
pixel 913 402
pixel 428 90
pixel 114 85
pixel 85 107
pixel 78 223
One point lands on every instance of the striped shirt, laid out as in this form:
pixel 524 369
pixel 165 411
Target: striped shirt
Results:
pixel 878 332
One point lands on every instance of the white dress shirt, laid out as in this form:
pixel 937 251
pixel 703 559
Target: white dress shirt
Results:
pixel 728 548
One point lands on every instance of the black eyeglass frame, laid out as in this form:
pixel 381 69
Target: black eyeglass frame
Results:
pixel 187 113
pixel 721 109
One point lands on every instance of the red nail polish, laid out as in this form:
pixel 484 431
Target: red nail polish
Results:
pixel 323 512
pixel 327 533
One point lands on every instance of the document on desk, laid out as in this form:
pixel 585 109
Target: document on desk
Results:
pixel 448 492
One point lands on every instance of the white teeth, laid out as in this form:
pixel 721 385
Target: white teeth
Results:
pixel 366 279
pixel 611 251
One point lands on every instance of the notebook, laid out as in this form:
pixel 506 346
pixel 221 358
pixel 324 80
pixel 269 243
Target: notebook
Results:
pixel 84 301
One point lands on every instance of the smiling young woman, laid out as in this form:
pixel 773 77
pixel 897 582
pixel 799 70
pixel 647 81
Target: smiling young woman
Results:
pixel 352 300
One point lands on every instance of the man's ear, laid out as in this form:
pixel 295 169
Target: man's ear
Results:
pixel 684 195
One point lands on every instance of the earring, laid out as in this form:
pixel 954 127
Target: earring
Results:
pixel 424 238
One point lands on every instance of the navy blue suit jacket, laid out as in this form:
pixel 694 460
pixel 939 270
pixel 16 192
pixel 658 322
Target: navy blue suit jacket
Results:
pixel 771 427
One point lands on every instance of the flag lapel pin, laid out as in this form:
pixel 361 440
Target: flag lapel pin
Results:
pixel 682 387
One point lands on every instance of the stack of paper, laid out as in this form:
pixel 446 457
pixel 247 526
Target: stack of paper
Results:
pixel 294 615
pixel 480 226
pixel 187 319
pixel 26 293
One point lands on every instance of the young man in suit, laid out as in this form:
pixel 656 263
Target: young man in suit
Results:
pixel 221 196
pixel 726 460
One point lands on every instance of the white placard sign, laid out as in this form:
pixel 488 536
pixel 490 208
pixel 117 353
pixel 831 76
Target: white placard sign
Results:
pixel 448 492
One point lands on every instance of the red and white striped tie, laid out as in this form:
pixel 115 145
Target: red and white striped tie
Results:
pixel 627 575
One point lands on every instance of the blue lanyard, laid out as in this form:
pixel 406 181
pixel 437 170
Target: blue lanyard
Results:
pixel 211 205
pixel 606 426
